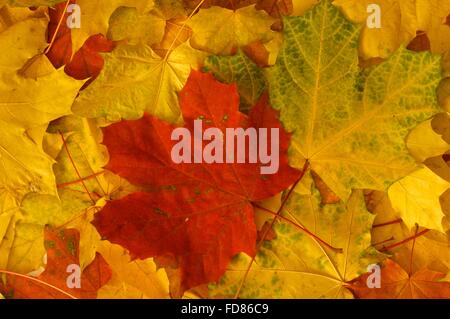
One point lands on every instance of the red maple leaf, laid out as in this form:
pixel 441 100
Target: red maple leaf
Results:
pixel 60 52
pixel 62 251
pixel 86 62
pixel 396 283
pixel 198 214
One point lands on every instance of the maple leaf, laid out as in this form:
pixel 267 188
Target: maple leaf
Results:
pixel 24 165
pixel 125 22
pixel 397 283
pixel 59 35
pixel 362 111
pixel 129 24
pixel 62 251
pixel 79 156
pixel 316 263
pixel 440 162
pixel 27 104
pixel 83 186
pixel 316 78
pixel 26 252
pixel 205 216
pixel 401 20
pixel 82 190
pixel 431 17
pixel 148 83
pixel 86 62
pixel 424 142
pixel 399 24
pixel 131 279
pixel 237 28
pixel 12 15
pixel 430 248
pixel 416 198
pixel 95 17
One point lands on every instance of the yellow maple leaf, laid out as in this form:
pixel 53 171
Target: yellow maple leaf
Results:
pixel 95 17
pixel 220 30
pixel 400 20
pixel 12 15
pixel 136 27
pixel 398 24
pixel 423 142
pixel 431 17
pixel 416 198
pixel 147 83
pixel 133 279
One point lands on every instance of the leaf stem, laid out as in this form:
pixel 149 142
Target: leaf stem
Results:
pixel 75 167
pixel 412 251
pixel 383 241
pixel 339 250
pixel 423 232
pixel 79 180
pixel 395 221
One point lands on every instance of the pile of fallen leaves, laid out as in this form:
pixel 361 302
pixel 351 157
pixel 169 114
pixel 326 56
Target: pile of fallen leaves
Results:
pixel 87 180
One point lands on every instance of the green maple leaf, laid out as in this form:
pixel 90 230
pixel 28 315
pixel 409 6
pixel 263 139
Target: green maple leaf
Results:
pixel 350 125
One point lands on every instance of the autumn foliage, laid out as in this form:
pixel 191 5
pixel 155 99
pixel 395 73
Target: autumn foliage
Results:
pixel 93 204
